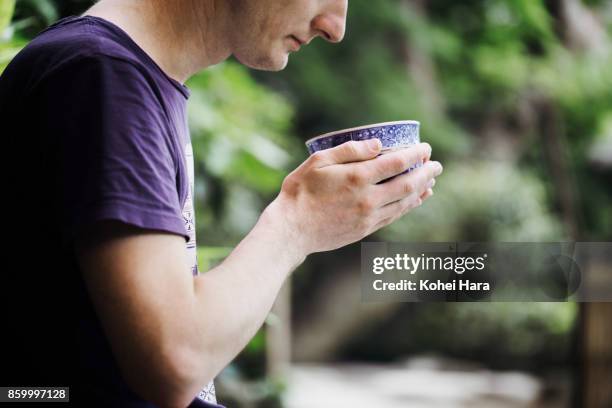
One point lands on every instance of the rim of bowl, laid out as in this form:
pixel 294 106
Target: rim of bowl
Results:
pixel 373 125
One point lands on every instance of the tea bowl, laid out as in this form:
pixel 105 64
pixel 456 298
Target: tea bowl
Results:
pixel 393 135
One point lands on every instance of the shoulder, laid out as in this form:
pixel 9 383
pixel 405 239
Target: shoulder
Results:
pixel 79 45
pixel 76 38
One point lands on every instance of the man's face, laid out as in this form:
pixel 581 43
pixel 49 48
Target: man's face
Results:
pixel 266 31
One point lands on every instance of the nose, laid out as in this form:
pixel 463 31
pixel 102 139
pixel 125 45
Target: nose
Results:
pixel 331 23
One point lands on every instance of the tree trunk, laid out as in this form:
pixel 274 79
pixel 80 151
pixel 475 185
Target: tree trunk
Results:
pixel 597 355
pixel 584 32
pixel 278 335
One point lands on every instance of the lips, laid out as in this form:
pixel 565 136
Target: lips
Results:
pixel 297 43
pixel 300 42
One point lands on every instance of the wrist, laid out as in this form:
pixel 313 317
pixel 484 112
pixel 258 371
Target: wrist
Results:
pixel 277 220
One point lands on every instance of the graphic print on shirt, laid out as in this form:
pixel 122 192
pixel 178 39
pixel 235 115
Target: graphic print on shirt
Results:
pixel 189 211
pixel 207 393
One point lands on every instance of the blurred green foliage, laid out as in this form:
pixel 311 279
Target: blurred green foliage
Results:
pixel 473 72
pixel 493 82
pixel 241 134
pixel 505 335
pixel 9 46
pixel 484 209
pixel 6 13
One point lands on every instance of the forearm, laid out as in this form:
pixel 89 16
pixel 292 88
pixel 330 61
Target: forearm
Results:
pixel 233 299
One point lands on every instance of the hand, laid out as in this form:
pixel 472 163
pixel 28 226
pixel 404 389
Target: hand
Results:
pixel 332 199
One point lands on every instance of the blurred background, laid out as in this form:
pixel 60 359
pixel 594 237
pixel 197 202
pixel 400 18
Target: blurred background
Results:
pixel 516 99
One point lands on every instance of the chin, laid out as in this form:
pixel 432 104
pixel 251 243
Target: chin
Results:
pixel 274 62
pixel 280 65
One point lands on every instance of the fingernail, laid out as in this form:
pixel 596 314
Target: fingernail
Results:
pixel 374 144
pixel 438 168
pixel 431 183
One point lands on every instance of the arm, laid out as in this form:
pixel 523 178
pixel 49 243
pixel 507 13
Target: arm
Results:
pixel 170 332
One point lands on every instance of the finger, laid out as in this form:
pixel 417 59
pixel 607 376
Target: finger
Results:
pixel 427 194
pixel 414 184
pixel 398 208
pixel 381 224
pixel 351 151
pixel 395 162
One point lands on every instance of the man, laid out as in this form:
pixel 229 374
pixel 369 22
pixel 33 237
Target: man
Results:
pixel 96 107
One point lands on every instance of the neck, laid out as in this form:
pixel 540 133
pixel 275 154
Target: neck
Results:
pixel 182 36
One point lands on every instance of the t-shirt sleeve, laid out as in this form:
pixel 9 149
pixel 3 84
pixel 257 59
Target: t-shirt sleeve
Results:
pixel 113 144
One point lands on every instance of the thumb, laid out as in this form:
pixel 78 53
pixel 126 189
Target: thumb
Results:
pixel 351 151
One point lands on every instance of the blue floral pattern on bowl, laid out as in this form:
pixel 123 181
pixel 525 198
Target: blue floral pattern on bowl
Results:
pixel 391 134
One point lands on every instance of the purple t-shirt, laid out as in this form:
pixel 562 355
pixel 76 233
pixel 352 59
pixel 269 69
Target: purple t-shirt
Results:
pixel 105 132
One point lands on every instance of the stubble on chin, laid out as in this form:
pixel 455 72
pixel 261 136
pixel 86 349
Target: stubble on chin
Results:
pixel 273 60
